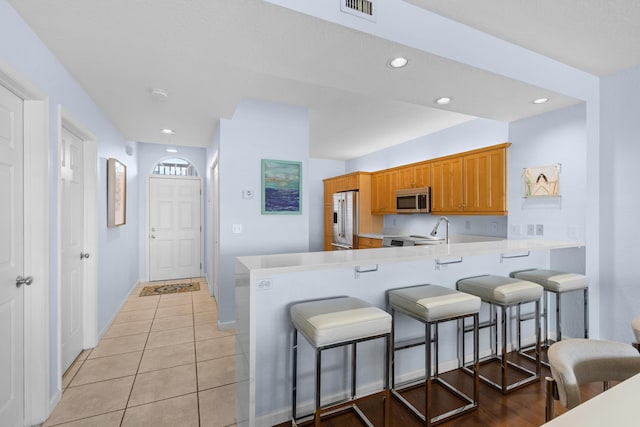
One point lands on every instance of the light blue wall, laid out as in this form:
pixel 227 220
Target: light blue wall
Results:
pixel 467 136
pixel 258 130
pixel 148 156
pixel 117 254
pixel 555 137
pixel 619 204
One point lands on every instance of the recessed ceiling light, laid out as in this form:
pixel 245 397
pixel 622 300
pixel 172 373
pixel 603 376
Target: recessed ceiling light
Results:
pixel 398 62
pixel 171 150
pixel 168 131
pixel 159 95
pixel 443 101
pixel 540 100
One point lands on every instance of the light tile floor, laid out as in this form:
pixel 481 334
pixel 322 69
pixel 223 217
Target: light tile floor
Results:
pixel 163 362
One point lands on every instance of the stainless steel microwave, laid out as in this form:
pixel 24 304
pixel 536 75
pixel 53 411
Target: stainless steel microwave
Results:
pixel 413 200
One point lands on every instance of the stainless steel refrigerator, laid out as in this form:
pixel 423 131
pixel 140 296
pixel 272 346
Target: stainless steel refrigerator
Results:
pixel 345 220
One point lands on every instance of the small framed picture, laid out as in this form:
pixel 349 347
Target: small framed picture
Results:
pixel 116 193
pixel 541 181
pixel 281 187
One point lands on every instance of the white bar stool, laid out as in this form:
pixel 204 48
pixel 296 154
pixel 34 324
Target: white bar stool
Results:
pixel 337 322
pixel 432 305
pixel 505 292
pixel 558 283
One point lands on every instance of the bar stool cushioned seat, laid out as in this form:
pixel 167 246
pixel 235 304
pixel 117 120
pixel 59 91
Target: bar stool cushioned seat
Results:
pixel 555 281
pixel 581 361
pixel 431 305
pixel 333 321
pixel 432 302
pixel 500 289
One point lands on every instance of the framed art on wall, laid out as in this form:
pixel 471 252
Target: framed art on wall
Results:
pixel 116 193
pixel 541 181
pixel 281 187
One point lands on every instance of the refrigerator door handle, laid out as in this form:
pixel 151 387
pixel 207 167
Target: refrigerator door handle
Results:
pixel 335 217
pixel 342 217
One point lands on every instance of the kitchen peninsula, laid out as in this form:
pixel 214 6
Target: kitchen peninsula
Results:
pixel 267 285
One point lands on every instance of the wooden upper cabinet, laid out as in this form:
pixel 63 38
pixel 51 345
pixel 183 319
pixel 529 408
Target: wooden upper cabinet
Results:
pixel 378 201
pixel 469 183
pixel 485 182
pixel 422 174
pixel 446 186
pixel 405 177
pixel 472 183
pixel 414 175
pixel 383 191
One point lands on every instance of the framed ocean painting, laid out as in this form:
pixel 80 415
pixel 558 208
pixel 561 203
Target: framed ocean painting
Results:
pixel 281 187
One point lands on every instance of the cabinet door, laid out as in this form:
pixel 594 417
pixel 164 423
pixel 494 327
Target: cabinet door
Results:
pixel 405 177
pixel 422 175
pixel 447 186
pixel 369 243
pixel 390 187
pixel 485 182
pixel 377 193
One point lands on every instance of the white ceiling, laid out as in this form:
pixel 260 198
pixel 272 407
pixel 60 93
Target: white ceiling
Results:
pixel 208 54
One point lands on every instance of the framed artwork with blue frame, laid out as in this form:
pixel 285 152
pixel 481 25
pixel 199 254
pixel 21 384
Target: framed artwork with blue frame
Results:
pixel 281 187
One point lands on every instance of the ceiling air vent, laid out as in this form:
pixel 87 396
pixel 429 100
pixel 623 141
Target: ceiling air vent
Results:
pixel 362 8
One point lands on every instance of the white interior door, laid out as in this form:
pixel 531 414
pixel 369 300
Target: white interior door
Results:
pixel 174 227
pixel 72 224
pixel 11 260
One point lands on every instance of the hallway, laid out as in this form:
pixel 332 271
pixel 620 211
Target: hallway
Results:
pixel 163 362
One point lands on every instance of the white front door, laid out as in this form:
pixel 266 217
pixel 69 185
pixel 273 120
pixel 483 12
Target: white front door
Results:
pixel 72 240
pixel 174 227
pixel 11 260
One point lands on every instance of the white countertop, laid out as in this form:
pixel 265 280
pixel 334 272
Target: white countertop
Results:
pixel 614 407
pixel 281 263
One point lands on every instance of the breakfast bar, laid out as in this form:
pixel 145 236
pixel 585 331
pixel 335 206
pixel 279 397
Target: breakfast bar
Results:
pixel 266 287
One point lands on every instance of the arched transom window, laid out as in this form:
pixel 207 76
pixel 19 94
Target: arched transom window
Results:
pixel 175 167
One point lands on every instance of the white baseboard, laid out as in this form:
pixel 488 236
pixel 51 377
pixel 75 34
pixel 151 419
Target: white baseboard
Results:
pixel 226 325
pixel 53 402
pixel 122 303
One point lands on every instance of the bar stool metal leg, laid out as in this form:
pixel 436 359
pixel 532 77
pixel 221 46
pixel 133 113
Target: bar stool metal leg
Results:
pixel 316 417
pixel 586 312
pixel 294 379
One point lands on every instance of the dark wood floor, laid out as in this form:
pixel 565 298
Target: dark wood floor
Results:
pixel 521 408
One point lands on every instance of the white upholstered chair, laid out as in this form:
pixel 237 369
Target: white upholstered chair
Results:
pixel 581 361
pixel 635 325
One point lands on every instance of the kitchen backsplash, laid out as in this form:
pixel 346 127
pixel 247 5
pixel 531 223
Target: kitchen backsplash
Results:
pixel 494 226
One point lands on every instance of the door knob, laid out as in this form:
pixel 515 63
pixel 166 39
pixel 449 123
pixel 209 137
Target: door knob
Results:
pixel 84 255
pixel 23 281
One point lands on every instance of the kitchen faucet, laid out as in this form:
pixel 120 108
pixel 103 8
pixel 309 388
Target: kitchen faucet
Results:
pixel 435 229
